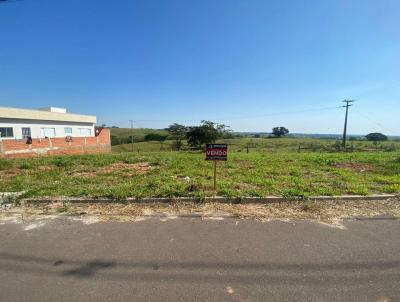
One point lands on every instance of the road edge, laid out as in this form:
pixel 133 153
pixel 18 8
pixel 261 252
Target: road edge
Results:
pixel 218 199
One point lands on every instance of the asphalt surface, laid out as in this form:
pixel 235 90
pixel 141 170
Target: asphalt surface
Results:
pixel 189 259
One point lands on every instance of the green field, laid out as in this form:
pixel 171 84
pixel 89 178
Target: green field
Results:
pixel 271 145
pixel 137 132
pixel 144 147
pixel 275 168
pixel 121 136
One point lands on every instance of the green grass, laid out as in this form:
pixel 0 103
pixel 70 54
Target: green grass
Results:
pixel 292 144
pixel 137 132
pixel 258 173
pixel 270 145
pixel 120 136
pixel 144 147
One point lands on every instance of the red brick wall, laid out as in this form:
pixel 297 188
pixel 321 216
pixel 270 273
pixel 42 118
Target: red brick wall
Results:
pixel 56 146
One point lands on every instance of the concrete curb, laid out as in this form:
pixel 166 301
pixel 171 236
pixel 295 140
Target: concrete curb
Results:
pixel 218 199
pixel 9 197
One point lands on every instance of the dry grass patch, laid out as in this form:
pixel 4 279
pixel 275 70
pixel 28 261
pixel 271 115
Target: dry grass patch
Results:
pixel 322 211
pixel 129 169
pixel 245 186
pixel 357 167
pixel 10 172
pixel 141 168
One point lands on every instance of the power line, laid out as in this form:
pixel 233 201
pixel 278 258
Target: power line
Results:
pixel 333 123
pixel 239 117
pixel 373 122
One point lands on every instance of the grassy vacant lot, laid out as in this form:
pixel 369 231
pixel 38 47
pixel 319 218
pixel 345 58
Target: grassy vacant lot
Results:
pixel 144 147
pixel 138 133
pixel 120 175
pixel 120 136
pixel 271 145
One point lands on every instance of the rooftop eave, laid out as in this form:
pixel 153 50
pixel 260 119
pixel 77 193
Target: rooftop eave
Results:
pixel 26 114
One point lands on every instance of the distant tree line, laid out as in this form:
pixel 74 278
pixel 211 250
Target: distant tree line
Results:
pixel 197 136
pixel 209 132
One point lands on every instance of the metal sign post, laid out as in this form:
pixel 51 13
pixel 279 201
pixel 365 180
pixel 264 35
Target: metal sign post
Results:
pixel 215 175
pixel 216 152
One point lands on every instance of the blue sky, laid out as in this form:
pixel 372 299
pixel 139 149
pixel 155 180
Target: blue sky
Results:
pixel 250 64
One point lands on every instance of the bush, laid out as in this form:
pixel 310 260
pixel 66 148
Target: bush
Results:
pixel 62 162
pixel 177 145
pixel 391 148
pixel 155 137
pixel 25 165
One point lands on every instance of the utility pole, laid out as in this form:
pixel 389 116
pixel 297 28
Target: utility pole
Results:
pixel 348 104
pixel 131 133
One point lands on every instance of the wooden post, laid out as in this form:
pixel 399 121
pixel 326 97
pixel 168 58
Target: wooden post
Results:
pixel 215 175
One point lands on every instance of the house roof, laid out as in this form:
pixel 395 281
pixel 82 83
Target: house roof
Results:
pixel 28 114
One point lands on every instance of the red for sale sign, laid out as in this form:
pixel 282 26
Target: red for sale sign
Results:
pixel 217 152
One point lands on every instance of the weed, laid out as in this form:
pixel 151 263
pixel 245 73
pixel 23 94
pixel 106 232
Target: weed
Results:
pixel 311 207
pixel 10 199
pixel 294 193
pixel 5 163
pixel 63 162
pixel 25 165
pixel 64 208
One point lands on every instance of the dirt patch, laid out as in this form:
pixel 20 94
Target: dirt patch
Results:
pixel 126 168
pixel 84 174
pixel 18 171
pixel 10 172
pixel 246 186
pixel 44 168
pixel 141 168
pixel 358 167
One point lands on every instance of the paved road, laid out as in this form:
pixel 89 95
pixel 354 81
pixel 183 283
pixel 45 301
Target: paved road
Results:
pixel 193 260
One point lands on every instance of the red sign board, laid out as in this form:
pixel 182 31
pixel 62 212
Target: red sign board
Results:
pixel 217 152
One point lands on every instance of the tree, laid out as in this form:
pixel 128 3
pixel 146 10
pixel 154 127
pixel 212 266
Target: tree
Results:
pixel 215 131
pixel 196 136
pixel 208 132
pixel 178 132
pixel 279 131
pixel 155 137
pixel 376 137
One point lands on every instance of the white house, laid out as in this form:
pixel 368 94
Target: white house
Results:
pixel 45 122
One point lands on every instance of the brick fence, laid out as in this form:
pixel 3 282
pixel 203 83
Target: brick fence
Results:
pixel 56 146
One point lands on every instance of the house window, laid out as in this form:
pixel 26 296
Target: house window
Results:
pixel 85 131
pixel 48 132
pixel 26 132
pixel 6 132
pixel 68 130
